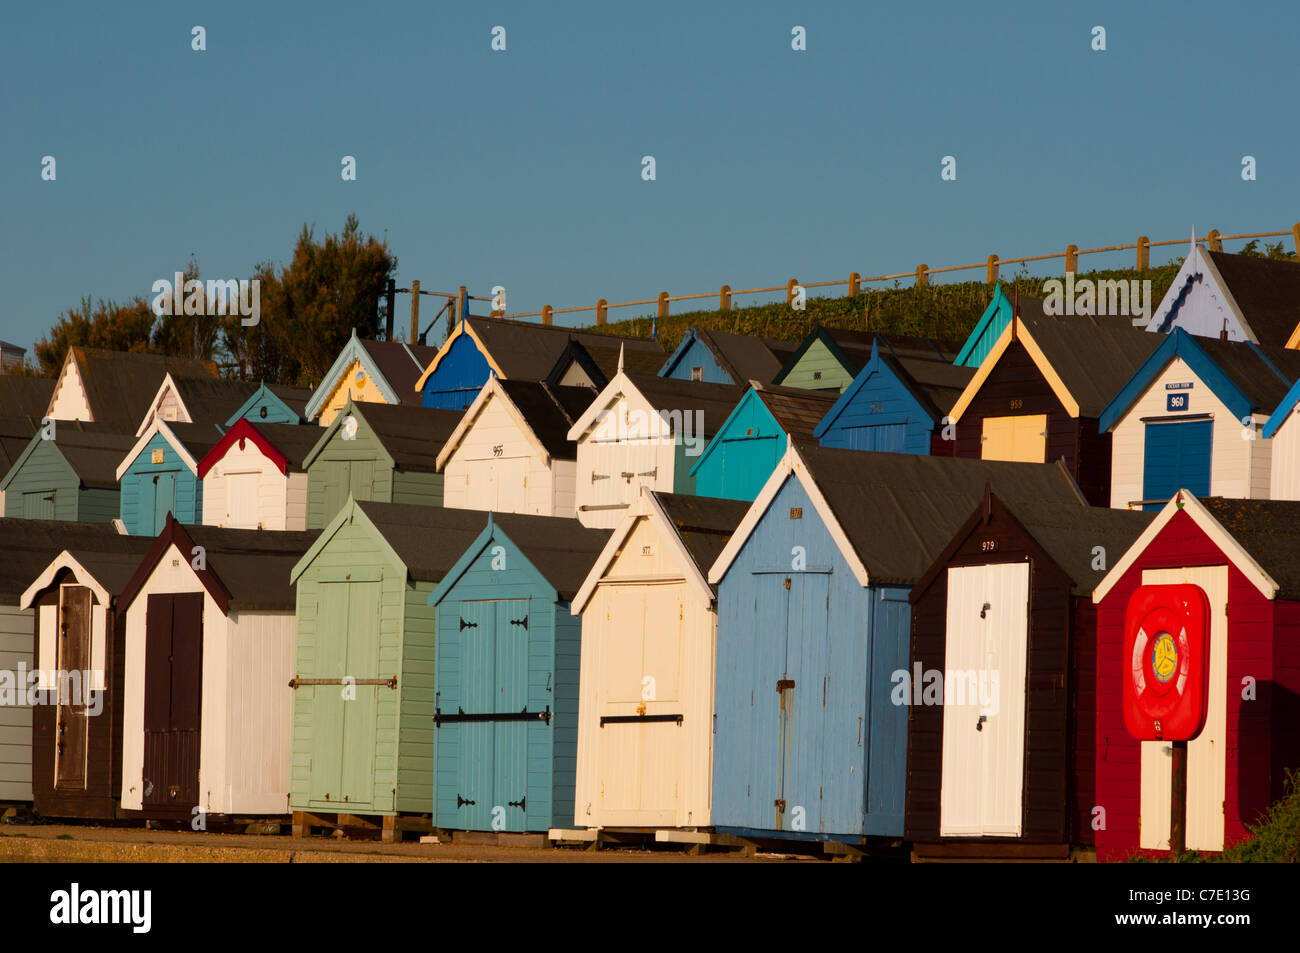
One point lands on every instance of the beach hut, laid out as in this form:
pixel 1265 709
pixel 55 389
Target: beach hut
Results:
pixel 208 655
pixel 897 403
pixel 479 347
pixel 67 471
pixel 273 404
pixel 830 358
pixel 754 437
pixel 1193 416
pixel 718 357
pixel 593 361
pixel 1242 556
pixel 649 634
pixel 1283 437
pixel 254 478
pixel 1002 681
pixel 28 547
pixel 77 737
pixel 365 748
pixel 987 329
pixel 159 475
pixel 813 623
pixel 365 371
pixel 508 655
pixel 1040 391
pixel 510 452
pixel 1238 297
pixel 643 431
pixel 378 452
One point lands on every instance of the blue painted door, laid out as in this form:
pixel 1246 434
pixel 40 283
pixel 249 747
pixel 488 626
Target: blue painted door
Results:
pixel 493 752
pixel 157 499
pixel 801 701
pixel 889 438
pixel 1177 457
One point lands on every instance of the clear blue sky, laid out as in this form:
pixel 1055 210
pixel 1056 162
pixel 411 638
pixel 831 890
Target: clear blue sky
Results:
pixel 523 168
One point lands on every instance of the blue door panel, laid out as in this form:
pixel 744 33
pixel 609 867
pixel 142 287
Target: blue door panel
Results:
pixel 1177 457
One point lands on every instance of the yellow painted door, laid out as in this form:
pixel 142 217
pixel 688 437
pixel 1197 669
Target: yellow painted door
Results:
pixel 1206 753
pixel 1022 439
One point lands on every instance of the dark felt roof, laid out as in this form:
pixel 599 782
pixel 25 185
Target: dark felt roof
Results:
pixel 936 383
pixel 1255 368
pixel 856 346
pixel 412 435
pixel 401 364
pixel 1266 290
pixel 604 354
pixel 254 565
pixel 93 451
pixel 704 523
pixel 29 546
pixel 900 510
pixel 717 401
pixel 113 562
pixel 120 385
pixel 212 400
pixel 1094 357
pixel 527 351
pixel 295 441
pixel 1069 533
pixel 198 439
pixel 1269 530
pixel 798 411
pixel 562 549
pixel 550 411
pixel 295 398
pixel 747 358
pixel 25 396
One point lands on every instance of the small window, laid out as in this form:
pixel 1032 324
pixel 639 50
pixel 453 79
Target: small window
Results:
pixel 697 373
pixel 262 412
pixel 817 375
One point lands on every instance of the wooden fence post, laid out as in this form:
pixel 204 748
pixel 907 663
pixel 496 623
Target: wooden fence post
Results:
pixel 855 284
pixel 663 304
pixel 415 311
pixel 462 299
pixel 602 309
pixel 789 291
pixel 1213 239
pixel 922 275
pixel 1072 258
pixel 1143 253
pixel 724 296
pixel 546 314
pixel 992 274
pixel 1295 236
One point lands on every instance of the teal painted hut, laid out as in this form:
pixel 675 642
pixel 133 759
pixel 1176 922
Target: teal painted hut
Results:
pixel 754 438
pixel 509 652
pixel 381 452
pixel 830 358
pixel 274 404
pixel 71 476
pixel 363 612
pixel 160 475
pixel 987 330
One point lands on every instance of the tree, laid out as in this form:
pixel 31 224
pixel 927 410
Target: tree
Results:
pixel 1272 250
pixel 309 309
pixel 106 324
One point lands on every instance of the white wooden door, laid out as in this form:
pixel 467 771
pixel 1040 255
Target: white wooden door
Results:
pixel 983 759
pixel 1206 754
pixel 496 484
pixel 241 500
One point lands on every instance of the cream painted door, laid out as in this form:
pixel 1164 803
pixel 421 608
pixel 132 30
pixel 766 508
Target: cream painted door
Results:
pixel 241 500
pixel 1206 753
pixel 638 698
pixel 496 483
pixel 982 781
pixel 1021 439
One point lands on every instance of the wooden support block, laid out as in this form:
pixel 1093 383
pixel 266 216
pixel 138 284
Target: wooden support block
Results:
pixel 390 828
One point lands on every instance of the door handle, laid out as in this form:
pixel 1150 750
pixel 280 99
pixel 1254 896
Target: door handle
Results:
pixel 979 725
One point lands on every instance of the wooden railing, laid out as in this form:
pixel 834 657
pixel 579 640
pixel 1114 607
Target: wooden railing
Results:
pixel 921 275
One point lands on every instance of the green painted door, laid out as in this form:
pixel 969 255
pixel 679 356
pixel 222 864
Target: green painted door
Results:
pixel 38 505
pixel 343 714
pixel 361 479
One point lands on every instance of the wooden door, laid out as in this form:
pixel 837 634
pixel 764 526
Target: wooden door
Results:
pixel 1176 457
pixel 38 505
pixel 241 500
pixel 72 725
pixel 173 699
pixel 361 479
pixel 746 463
pixel 510 775
pixel 1207 752
pixel 801 701
pixel 1021 438
pixel 985 657
pixel 343 714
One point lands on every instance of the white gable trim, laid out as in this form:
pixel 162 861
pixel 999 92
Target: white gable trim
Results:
pixel 648 507
pixel 186 416
pixel 791 465
pixel 68 375
pixel 619 387
pixel 158 426
pixel 1212 528
pixel 62 561
pixel 492 390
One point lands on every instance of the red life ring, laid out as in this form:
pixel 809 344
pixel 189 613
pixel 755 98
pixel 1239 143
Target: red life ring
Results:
pixel 1166 662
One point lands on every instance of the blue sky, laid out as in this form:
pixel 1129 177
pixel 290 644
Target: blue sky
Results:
pixel 523 168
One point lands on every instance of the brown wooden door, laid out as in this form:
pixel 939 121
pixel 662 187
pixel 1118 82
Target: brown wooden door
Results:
pixel 73 656
pixel 173 678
